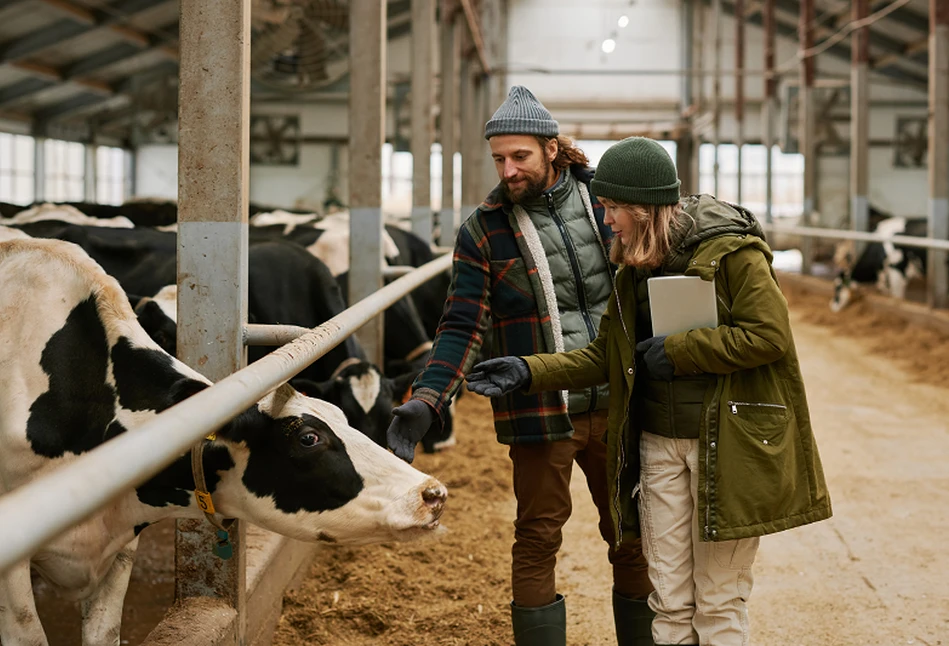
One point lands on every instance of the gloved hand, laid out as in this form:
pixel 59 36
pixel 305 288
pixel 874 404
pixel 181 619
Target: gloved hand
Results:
pixel 496 377
pixel 654 352
pixel 409 423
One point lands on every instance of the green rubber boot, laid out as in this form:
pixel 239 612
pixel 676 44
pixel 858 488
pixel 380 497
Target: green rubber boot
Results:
pixel 544 626
pixel 633 621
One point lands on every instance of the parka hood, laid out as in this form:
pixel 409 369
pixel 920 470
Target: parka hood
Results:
pixel 706 218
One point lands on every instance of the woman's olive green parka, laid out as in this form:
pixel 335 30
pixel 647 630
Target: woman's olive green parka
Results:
pixel 759 471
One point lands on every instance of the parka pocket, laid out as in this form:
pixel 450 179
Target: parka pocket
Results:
pixel 762 421
pixel 511 291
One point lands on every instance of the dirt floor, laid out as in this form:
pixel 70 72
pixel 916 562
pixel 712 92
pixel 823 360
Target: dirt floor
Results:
pixel 874 575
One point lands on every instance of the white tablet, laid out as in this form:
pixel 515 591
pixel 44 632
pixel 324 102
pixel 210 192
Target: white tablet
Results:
pixel 681 303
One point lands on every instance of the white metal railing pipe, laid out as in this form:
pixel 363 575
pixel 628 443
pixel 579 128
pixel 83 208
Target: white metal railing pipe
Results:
pixel 394 271
pixel 272 335
pixel 36 512
pixel 839 234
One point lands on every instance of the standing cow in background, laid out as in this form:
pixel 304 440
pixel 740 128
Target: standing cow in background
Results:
pixel 887 265
pixel 78 370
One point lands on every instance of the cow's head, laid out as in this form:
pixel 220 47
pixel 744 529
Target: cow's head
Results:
pixel 301 470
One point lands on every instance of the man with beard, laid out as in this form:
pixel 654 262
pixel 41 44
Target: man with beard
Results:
pixel 532 264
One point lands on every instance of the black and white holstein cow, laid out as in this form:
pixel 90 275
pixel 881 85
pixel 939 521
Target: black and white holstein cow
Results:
pixel 887 266
pixel 78 369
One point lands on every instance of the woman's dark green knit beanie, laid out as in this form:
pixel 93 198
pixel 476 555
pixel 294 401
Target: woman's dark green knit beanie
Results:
pixel 636 170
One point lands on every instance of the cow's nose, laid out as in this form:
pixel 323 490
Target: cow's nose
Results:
pixel 434 495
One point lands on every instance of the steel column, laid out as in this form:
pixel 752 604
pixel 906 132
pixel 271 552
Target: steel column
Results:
pixel 684 144
pixel 450 71
pixel 769 106
pixel 806 126
pixel 470 140
pixel 213 165
pixel 423 97
pixel 39 169
pixel 367 97
pixel 937 154
pixel 739 88
pixel 89 173
pixel 717 92
pixel 860 121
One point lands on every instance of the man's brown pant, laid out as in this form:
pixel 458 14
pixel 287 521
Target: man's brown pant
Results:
pixel 542 488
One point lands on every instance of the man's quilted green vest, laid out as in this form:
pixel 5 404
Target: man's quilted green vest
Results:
pixel 580 273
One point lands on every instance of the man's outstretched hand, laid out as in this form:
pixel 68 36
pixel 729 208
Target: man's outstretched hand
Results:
pixel 410 421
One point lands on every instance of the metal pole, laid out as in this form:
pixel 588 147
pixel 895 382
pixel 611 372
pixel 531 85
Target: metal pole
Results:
pixel 859 122
pixel 739 88
pixel 90 173
pixel 213 165
pixel 717 92
pixel 423 93
pixel 450 63
pixel 806 126
pixel 937 156
pixel 39 169
pixel 684 142
pixel 367 102
pixel 862 236
pixel 470 136
pixel 77 490
pixel 769 106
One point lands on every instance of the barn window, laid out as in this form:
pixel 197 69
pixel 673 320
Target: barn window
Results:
pixel 110 175
pixel 16 168
pixel 65 170
pixel 787 178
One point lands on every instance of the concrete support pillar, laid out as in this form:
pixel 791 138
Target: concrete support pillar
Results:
pixel 213 172
pixel 859 121
pixel 739 89
pixel 806 127
pixel 450 77
pixel 769 106
pixel 90 173
pixel 367 102
pixel 423 127
pixel 938 152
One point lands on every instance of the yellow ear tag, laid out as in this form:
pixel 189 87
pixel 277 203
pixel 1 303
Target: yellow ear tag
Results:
pixel 211 437
pixel 204 501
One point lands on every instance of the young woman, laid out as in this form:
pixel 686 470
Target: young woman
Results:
pixel 710 443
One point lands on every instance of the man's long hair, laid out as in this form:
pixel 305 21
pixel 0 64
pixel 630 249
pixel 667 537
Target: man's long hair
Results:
pixel 650 244
pixel 567 153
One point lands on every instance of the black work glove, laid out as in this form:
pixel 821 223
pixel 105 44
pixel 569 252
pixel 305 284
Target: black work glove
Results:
pixel 409 423
pixel 657 363
pixel 496 377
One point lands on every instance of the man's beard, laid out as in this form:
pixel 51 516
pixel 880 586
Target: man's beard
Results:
pixel 533 188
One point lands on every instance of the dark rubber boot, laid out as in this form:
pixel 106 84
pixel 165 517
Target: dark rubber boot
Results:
pixel 544 626
pixel 633 621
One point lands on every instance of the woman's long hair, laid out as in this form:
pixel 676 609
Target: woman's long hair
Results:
pixel 651 239
pixel 567 153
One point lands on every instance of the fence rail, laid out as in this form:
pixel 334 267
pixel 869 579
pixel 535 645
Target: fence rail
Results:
pixel 839 234
pixel 37 512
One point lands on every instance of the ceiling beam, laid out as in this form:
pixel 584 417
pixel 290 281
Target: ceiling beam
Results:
pixel 69 28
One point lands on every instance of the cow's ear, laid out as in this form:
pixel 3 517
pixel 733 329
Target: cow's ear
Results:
pixel 315 389
pixel 401 386
pixel 184 388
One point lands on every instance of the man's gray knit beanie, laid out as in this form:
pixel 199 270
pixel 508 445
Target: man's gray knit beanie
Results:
pixel 521 114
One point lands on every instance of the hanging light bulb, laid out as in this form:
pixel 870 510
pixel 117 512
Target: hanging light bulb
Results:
pixel 623 21
pixel 608 46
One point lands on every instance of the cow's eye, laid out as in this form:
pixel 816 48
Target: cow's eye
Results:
pixel 308 439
